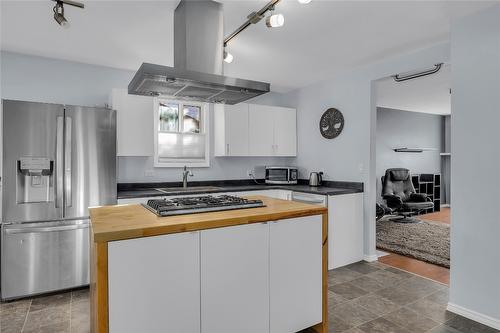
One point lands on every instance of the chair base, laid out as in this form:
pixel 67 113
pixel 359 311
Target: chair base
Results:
pixel 405 219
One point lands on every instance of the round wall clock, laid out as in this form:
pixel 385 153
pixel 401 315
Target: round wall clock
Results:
pixel 331 123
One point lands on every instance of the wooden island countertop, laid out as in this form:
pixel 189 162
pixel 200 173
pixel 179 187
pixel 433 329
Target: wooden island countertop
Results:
pixel 110 223
pixel 122 222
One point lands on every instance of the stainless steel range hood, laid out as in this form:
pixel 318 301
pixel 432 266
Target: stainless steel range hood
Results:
pixel 198 51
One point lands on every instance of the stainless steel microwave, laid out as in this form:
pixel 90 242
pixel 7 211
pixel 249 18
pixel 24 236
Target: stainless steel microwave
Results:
pixel 281 175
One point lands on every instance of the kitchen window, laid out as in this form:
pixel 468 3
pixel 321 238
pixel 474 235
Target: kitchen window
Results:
pixel 181 134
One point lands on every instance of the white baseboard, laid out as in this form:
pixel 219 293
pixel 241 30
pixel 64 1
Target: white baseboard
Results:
pixel 370 258
pixel 473 315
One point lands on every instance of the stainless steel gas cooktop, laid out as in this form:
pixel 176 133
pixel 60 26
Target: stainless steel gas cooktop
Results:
pixel 201 204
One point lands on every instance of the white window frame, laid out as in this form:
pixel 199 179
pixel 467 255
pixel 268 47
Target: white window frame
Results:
pixel 205 126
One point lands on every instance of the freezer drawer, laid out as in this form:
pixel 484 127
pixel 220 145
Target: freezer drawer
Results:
pixel 44 257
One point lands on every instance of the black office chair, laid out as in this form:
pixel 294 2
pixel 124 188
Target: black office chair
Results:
pixel 401 197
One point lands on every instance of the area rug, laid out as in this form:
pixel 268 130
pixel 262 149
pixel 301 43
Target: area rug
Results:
pixel 427 241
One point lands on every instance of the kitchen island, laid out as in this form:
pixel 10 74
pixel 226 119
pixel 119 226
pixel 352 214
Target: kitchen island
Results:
pixel 247 270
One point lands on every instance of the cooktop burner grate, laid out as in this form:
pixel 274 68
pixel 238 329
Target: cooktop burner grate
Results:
pixel 192 205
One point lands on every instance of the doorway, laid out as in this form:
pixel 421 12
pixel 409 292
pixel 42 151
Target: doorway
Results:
pixel 413 173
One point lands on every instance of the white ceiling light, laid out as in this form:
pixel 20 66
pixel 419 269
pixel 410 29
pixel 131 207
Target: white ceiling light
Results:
pixel 275 20
pixel 304 2
pixel 228 57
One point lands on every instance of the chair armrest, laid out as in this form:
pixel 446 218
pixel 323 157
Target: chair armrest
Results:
pixel 393 201
pixel 419 197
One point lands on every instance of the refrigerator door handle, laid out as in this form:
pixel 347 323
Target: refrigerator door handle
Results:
pixel 59 162
pixel 11 231
pixel 67 164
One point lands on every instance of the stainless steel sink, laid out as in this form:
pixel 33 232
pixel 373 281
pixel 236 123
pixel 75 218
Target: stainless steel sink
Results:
pixel 188 189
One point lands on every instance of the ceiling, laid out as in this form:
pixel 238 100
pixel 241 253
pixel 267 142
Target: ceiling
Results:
pixel 318 39
pixel 428 94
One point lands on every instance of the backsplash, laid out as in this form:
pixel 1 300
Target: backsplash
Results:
pixel 141 170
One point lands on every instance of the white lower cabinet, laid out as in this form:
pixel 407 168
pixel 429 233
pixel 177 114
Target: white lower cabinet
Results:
pixel 235 279
pixel 295 274
pixel 154 284
pixel 345 229
pixel 254 278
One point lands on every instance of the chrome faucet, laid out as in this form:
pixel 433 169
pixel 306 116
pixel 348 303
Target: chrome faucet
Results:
pixel 185 175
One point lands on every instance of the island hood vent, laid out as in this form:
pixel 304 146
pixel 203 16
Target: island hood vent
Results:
pixel 197 74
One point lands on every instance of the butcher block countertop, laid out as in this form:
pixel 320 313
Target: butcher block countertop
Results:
pixel 110 223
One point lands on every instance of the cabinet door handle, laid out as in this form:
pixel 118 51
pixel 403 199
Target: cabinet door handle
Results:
pixel 227 148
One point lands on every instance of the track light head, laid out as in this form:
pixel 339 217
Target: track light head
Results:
pixel 275 20
pixel 61 20
pixel 59 11
pixel 228 57
pixel 59 15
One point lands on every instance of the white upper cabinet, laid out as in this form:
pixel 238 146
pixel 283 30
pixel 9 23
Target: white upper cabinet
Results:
pixel 285 131
pixel 231 129
pixel 134 123
pixel 261 128
pixel 255 130
pixel 273 131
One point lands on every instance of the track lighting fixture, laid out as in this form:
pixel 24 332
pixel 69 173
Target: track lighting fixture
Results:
pixel 275 20
pixel 59 11
pixel 59 15
pixel 228 57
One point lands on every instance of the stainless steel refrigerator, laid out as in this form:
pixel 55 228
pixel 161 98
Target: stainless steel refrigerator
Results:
pixel 58 160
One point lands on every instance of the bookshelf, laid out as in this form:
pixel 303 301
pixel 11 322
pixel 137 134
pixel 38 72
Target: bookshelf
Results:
pixel 429 184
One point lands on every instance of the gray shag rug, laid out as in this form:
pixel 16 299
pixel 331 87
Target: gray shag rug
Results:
pixel 427 241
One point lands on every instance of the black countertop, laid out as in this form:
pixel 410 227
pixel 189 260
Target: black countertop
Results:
pixel 141 190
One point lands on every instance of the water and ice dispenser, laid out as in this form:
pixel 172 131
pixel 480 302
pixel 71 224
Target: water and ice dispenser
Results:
pixel 35 181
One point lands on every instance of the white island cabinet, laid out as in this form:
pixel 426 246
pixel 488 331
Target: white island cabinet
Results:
pixel 259 270
pixel 154 284
pixel 262 277
pixel 235 279
pixel 295 274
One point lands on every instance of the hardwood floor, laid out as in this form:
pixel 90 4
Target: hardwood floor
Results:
pixel 441 216
pixel 422 268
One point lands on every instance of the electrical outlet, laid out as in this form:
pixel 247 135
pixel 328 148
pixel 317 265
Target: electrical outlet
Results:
pixel 250 173
pixel 149 173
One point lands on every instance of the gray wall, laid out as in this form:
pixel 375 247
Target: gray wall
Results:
pixel 475 149
pixel 396 128
pixel 39 79
pixel 351 156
